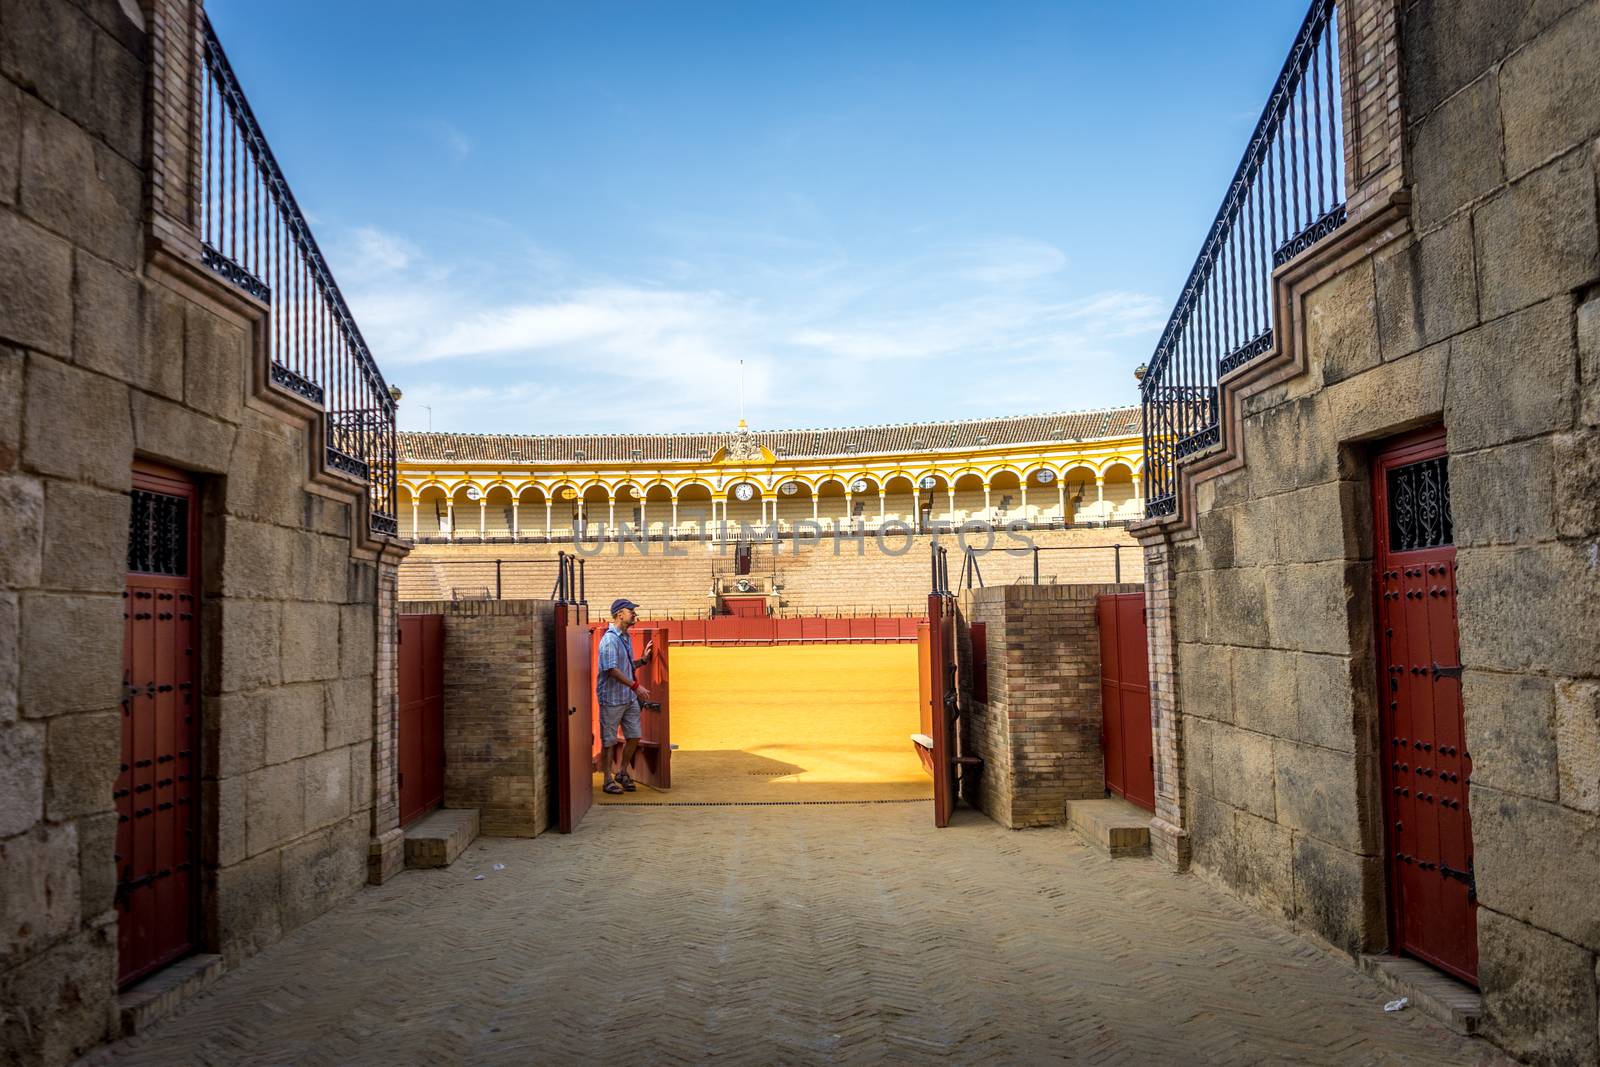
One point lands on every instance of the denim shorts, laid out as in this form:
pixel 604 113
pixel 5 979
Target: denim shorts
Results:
pixel 613 715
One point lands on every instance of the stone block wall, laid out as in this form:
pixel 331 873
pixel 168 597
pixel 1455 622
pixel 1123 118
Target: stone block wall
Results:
pixel 1475 303
pixel 497 674
pixel 107 357
pixel 1038 727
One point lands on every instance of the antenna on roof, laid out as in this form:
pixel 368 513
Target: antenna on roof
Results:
pixel 741 394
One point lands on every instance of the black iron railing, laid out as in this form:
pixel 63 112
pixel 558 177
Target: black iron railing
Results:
pixel 1287 194
pixel 254 235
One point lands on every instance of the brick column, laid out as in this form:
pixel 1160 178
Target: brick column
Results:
pixel 175 64
pixel 386 852
pixel 1374 121
pixel 1169 829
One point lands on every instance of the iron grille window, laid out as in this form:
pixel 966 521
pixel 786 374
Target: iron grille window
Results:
pixel 158 534
pixel 1419 506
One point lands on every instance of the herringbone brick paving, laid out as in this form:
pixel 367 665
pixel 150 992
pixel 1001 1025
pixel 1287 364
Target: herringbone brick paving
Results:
pixel 852 934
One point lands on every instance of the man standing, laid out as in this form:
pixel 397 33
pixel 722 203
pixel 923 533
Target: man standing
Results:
pixel 619 694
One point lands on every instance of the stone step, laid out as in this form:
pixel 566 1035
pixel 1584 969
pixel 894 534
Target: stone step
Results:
pixel 1434 993
pixel 158 996
pixel 1112 825
pixel 436 840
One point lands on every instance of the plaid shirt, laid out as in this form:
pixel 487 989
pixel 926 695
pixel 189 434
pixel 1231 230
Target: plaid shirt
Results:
pixel 616 650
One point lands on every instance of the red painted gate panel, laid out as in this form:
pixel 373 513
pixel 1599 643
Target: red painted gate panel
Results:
pixel 421 727
pixel 1426 767
pixel 940 693
pixel 1125 699
pixel 574 711
pixel 155 793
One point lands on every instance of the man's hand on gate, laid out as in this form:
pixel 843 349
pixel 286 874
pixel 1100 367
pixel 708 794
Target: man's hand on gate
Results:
pixel 649 650
pixel 642 692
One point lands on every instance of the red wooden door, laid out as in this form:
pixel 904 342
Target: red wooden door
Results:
pixel 156 798
pixel 421 727
pixel 942 708
pixel 1125 699
pixel 1425 763
pixel 574 711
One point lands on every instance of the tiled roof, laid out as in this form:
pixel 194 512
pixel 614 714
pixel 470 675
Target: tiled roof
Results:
pixel 847 441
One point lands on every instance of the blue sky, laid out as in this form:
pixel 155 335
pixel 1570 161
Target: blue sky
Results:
pixel 555 218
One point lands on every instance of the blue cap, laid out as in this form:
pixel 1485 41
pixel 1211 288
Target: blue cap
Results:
pixel 622 602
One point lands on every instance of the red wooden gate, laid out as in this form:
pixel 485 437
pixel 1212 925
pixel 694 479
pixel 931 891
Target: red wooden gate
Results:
pixel 652 762
pixel 574 715
pixel 939 690
pixel 157 810
pixel 1425 763
pixel 421 727
pixel 1125 699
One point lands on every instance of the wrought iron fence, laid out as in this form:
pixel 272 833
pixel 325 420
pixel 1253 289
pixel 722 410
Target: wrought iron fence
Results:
pixel 1287 194
pixel 254 235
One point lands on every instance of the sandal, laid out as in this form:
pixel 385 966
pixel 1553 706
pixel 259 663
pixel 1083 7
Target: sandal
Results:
pixel 613 788
pixel 626 781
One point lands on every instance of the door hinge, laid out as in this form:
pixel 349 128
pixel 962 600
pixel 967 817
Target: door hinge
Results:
pixel 1441 670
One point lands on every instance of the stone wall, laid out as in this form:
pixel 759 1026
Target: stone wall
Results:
pixel 1470 300
pixel 105 357
pixel 497 708
pixel 831 574
pixel 1038 726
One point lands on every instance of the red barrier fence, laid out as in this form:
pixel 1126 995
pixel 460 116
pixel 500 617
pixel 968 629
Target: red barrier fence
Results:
pixel 736 630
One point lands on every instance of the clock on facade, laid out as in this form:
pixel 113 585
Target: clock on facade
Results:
pixel 474 493
pixel 1046 476
pixel 858 486
pixel 789 488
pixel 744 491
pixel 928 481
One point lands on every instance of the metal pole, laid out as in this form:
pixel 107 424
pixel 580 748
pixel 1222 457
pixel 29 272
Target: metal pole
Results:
pixel 497 579
pixel 1117 552
pixel 582 592
pixel 1035 564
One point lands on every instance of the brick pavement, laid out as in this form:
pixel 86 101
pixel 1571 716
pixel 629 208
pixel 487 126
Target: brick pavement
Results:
pixel 793 935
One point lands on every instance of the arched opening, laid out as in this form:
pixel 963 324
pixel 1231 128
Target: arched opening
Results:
pixel 656 510
pixel 969 497
pixel 831 503
pixel 694 510
pixel 1005 496
pixel 430 514
pixel 864 502
pixel 497 513
pixel 794 499
pixel 1045 497
pixel 1078 484
pixel 933 500
pixel 595 514
pixel 531 513
pixel 899 502
pixel 465 519
pixel 1118 496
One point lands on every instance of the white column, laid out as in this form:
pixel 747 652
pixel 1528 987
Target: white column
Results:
pixel 1061 497
pixel 548 507
pixel 951 489
pixel 579 527
pixel 883 498
pixel 916 508
pixel 849 507
pixel 644 523
pixel 413 518
pixel 516 518
pixel 674 512
pixel 1138 489
pixel 987 514
pixel 1024 484
pixel 1099 498
pixel 483 517
pixel 813 507
pixel 450 519
pixel 611 513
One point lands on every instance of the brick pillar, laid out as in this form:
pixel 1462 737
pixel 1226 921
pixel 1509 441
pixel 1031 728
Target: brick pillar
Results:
pixel 1374 121
pixel 386 852
pixel 1169 830
pixel 175 65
